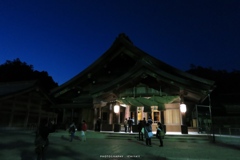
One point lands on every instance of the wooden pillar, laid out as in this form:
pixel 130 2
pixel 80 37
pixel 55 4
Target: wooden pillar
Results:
pixel 100 112
pixel 118 115
pixel 11 117
pixel 28 111
pixel 39 112
pixel 95 117
pixel 127 112
pixel 64 115
pixel 80 118
pixel 55 116
pixel 111 114
pixel 162 117
pixel 72 112
pixel 12 113
pixel 27 117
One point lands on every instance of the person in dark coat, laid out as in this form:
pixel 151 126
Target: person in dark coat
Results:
pixel 125 125
pixel 140 134
pixel 149 121
pixel 41 139
pixel 72 130
pixel 83 131
pixel 159 129
pixel 130 122
pixel 98 125
pixel 147 129
pixel 144 122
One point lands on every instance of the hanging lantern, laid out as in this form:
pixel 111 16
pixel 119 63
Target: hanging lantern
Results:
pixel 183 108
pixel 116 108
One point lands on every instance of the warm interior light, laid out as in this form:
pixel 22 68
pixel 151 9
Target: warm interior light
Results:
pixel 123 105
pixel 116 108
pixel 183 108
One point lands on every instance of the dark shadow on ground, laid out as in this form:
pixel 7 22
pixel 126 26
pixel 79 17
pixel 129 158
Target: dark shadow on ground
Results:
pixel 14 145
pixel 67 138
pixel 232 146
pixel 150 156
pixel 28 155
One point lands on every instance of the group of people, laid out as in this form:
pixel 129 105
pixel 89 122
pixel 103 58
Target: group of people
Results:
pixel 73 129
pixel 45 128
pixel 128 123
pixel 145 128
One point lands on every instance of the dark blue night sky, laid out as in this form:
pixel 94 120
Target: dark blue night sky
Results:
pixel 63 37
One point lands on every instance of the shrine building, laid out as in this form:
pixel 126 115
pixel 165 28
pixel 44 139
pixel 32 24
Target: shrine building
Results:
pixel 23 104
pixel 141 85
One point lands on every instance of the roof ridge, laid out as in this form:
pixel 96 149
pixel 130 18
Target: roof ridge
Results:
pixel 19 82
pixel 124 36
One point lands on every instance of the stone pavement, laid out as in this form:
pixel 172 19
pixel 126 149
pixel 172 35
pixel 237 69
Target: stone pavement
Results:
pixel 18 145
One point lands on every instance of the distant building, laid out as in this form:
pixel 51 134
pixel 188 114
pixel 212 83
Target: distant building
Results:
pixel 140 84
pixel 23 105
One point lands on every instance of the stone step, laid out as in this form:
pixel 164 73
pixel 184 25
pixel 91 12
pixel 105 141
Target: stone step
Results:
pixel 180 138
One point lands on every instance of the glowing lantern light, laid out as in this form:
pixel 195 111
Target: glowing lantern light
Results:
pixel 116 108
pixel 183 108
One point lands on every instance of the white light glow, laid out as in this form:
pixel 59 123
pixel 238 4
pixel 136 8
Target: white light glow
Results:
pixel 183 108
pixel 123 105
pixel 116 108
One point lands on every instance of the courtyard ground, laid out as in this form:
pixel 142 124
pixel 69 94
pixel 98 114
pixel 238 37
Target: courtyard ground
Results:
pixel 18 145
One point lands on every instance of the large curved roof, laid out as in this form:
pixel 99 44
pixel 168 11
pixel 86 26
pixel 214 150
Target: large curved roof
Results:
pixel 124 66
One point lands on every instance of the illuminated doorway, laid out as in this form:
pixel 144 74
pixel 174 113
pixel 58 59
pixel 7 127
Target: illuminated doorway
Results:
pixel 139 114
pixel 156 116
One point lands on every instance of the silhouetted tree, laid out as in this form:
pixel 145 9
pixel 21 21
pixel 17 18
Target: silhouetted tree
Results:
pixel 226 82
pixel 227 85
pixel 20 71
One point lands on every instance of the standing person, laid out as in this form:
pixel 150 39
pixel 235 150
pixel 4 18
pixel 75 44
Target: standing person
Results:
pixel 83 131
pixel 148 134
pixel 72 130
pixel 41 139
pixel 140 134
pixel 125 124
pixel 159 136
pixel 149 121
pixel 130 122
pixel 99 121
pixel 144 122
pixel 133 121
